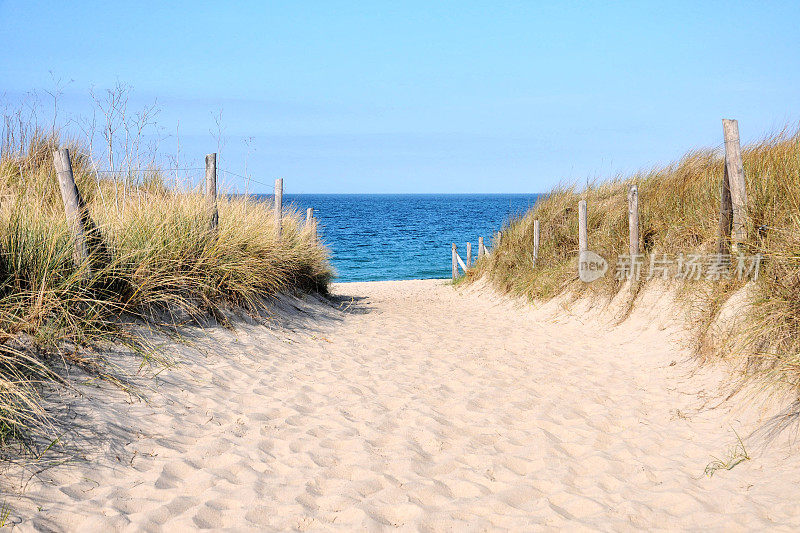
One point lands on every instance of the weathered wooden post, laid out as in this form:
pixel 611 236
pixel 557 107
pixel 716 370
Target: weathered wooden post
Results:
pixel 736 182
pixel 211 189
pixel 455 263
pixel 469 254
pixel 480 247
pixel 311 224
pixel 725 214
pixel 633 220
pixel 535 241
pixel 582 236
pixel 278 204
pixel 74 208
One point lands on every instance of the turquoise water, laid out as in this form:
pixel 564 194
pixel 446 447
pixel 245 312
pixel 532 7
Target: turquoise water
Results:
pixel 390 237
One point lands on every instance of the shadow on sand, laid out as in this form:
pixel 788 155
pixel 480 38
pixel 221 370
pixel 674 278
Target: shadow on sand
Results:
pixel 84 426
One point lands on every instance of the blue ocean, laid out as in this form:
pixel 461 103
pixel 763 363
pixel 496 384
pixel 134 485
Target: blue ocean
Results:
pixel 405 236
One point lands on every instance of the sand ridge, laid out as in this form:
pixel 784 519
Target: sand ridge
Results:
pixel 417 406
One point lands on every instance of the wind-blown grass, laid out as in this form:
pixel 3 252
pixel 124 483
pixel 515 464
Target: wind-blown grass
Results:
pixel 158 261
pixel 736 455
pixel 679 213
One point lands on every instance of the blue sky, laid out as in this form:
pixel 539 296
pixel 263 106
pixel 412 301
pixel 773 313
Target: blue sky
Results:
pixel 420 96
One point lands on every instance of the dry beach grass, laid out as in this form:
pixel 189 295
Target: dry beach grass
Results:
pixel 156 262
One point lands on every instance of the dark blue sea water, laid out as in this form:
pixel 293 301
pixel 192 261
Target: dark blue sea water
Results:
pixel 405 236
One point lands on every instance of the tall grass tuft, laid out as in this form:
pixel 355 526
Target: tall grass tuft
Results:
pixel 679 212
pixel 159 262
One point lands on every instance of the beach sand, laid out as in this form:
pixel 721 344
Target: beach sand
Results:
pixel 416 406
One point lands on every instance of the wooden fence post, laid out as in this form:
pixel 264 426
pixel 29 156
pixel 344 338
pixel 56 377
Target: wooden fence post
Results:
pixel 311 223
pixel 725 214
pixel 633 220
pixel 278 204
pixel 582 234
pixel 469 254
pixel 74 208
pixel 736 182
pixel 480 247
pixel 211 188
pixel 455 263
pixel 535 241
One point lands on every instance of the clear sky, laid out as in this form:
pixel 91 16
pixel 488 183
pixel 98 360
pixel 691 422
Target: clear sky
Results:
pixel 421 96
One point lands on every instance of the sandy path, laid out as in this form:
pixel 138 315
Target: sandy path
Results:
pixel 420 408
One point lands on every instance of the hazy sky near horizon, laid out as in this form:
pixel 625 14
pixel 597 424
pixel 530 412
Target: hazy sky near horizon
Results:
pixel 419 96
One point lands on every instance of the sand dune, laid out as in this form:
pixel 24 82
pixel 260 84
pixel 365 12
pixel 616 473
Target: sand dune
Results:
pixel 417 407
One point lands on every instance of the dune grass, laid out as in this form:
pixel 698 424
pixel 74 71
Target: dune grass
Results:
pixel 736 455
pixel 156 261
pixel 679 213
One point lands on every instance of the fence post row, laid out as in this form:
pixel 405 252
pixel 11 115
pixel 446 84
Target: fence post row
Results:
pixel 211 189
pixel 74 208
pixel 732 218
pixel 733 191
pixel 582 237
pixel 633 219
pixel 278 204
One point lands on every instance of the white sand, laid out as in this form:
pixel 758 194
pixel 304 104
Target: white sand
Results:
pixel 421 408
